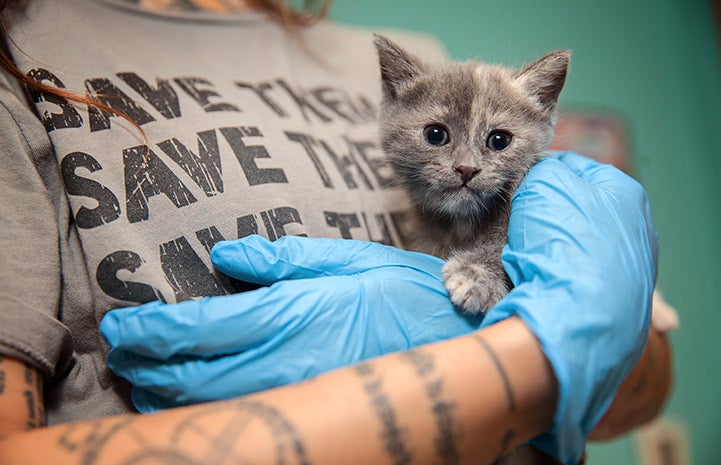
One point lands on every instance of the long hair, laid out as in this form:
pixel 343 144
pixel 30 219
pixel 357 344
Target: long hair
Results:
pixel 290 18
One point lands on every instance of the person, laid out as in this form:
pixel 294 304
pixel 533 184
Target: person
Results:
pixel 250 127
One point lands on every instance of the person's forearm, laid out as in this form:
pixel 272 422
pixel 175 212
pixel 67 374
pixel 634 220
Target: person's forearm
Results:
pixel 466 400
pixel 644 392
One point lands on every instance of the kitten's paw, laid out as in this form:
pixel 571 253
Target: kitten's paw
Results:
pixel 473 287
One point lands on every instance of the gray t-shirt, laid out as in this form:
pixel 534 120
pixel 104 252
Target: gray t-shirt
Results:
pixel 246 130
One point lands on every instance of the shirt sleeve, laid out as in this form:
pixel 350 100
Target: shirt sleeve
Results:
pixel 30 275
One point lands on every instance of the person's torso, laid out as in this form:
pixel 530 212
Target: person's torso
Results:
pixel 245 130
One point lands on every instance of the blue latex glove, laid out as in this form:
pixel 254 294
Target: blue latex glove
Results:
pixel 334 302
pixel 582 254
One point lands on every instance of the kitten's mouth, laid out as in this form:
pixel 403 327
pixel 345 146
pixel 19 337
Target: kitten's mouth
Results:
pixel 468 195
pixel 464 188
pixel 464 193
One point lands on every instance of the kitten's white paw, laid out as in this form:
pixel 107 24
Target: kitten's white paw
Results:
pixel 473 287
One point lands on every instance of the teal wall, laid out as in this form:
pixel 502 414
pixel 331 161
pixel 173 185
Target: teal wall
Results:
pixel 655 63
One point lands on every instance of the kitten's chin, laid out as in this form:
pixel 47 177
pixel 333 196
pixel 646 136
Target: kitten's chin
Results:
pixel 463 203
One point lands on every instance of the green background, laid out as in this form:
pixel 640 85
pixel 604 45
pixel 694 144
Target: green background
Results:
pixel 655 64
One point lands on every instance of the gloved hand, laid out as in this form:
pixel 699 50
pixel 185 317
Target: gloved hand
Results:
pixel 582 254
pixel 330 303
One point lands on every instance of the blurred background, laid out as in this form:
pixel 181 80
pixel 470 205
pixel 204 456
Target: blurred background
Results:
pixel 644 91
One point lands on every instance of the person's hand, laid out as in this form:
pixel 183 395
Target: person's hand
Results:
pixel 330 303
pixel 582 254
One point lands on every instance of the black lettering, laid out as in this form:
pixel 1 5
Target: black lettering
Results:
pixel 336 101
pixel 365 108
pixel 108 280
pixel 276 220
pixel 261 90
pixel 385 233
pixel 186 272
pixel 309 143
pixel 379 166
pixel 103 91
pixel 247 154
pixel 68 116
pixel 403 226
pixel 163 98
pixel 203 168
pixel 345 163
pixel 108 208
pixel 145 176
pixel 300 99
pixel 247 225
pixel 343 221
pixel 192 87
pixel 211 236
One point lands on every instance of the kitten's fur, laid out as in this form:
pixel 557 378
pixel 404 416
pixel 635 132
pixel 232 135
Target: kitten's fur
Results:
pixel 461 189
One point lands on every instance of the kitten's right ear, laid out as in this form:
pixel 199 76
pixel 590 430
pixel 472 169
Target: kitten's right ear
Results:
pixel 544 78
pixel 398 67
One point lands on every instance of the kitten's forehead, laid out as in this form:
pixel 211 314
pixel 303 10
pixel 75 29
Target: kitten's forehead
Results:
pixel 479 94
pixel 471 98
pixel 499 93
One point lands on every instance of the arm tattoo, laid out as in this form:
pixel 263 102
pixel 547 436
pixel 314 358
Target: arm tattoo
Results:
pixel 443 410
pixel 510 434
pixel 501 371
pixel 35 415
pixel 392 434
pixel 28 374
pixel 33 388
pixel 2 376
pixel 216 434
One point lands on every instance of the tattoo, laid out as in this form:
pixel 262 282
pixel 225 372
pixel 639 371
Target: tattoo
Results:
pixel 392 434
pixel 364 369
pixel 2 377
pixel 510 434
pixel 215 434
pixel 35 411
pixel 28 374
pixel 501 371
pixel 422 361
pixel 445 441
pixel 90 439
pixel 30 401
pixel 288 446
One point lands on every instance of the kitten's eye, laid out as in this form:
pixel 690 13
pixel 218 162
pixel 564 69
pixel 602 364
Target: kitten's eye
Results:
pixel 499 140
pixel 436 134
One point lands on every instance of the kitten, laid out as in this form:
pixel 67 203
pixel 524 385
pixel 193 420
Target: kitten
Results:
pixel 461 137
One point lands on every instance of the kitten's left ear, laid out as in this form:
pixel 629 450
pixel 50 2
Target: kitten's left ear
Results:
pixel 398 67
pixel 544 78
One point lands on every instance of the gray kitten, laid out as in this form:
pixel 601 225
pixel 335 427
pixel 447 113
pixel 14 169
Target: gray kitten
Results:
pixel 461 137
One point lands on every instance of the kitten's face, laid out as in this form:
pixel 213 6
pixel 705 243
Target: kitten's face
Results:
pixel 461 136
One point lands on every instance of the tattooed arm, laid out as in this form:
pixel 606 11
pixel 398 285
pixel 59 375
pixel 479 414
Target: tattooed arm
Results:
pixel 469 399
pixel 466 400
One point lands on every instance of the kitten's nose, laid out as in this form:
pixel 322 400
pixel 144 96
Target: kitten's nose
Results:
pixel 467 172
